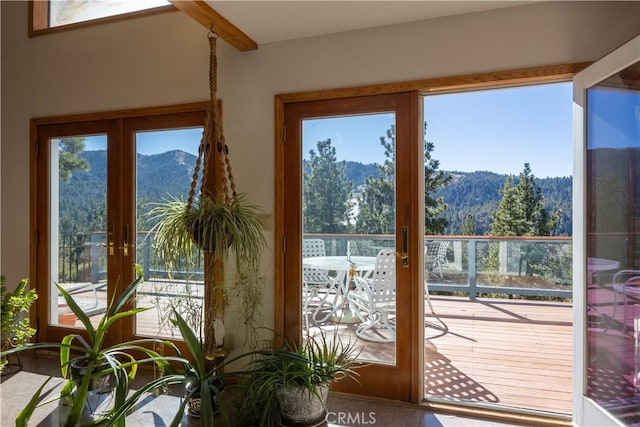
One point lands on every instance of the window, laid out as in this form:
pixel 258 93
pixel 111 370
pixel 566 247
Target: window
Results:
pixel 59 14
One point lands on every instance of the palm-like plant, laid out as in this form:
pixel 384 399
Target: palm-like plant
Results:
pixel 96 359
pixel 196 373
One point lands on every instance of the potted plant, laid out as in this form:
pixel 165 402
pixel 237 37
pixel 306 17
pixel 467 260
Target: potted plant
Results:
pixel 289 386
pixel 94 365
pixel 15 328
pixel 219 227
pixel 203 384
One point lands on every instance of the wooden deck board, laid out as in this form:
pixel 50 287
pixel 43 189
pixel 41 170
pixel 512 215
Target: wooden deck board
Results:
pixel 519 353
pixel 509 352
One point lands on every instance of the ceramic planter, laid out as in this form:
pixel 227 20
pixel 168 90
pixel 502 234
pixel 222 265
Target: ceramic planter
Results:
pixel 195 401
pixel 100 383
pixel 300 407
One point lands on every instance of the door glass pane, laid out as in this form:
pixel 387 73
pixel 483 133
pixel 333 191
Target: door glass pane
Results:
pixel 78 177
pixel 349 200
pixel 613 244
pixel 164 166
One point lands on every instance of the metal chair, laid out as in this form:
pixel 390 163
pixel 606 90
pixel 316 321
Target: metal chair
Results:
pixel 317 285
pixel 435 255
pixel 374 299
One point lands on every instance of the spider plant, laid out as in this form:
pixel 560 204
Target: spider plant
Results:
pixel 211 225
pixel 221 227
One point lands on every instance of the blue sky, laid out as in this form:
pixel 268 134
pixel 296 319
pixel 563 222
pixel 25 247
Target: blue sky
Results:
pixel 496 130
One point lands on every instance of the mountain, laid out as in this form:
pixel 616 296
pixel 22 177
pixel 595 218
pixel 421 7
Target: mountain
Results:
pixel 478 194
pixel 82 199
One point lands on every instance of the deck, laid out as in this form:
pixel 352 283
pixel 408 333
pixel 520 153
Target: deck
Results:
pixel 511 352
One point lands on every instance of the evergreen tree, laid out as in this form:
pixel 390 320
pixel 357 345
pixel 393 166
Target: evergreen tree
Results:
pixel 434 180
pixel 326 192
pixel 377 203
pixel 469 226
pixel 68 159
pixel 521 211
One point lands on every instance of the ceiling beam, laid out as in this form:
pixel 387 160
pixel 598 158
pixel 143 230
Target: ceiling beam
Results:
pixel 210 19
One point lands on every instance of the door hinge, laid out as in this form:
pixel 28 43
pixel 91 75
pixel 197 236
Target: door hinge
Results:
pixel 284 243
pixel 37 237
pixel 284 133
pixel 37 149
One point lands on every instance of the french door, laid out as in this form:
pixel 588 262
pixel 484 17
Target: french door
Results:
pixel 606 239
pixel 94 183
pixel 347 223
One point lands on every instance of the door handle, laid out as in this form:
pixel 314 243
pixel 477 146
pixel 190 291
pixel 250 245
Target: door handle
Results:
pixel 125 240
pixel 111 243
pixel 405 246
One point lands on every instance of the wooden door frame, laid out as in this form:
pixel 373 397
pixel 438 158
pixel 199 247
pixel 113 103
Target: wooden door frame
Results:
pixel 380 380
pixel 91 123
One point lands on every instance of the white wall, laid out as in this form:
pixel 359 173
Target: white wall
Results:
pixel 163 59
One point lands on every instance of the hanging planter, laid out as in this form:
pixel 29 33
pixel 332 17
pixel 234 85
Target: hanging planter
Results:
pixel 217 221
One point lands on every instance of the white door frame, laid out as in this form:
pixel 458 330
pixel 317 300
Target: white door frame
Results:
pixel 585 411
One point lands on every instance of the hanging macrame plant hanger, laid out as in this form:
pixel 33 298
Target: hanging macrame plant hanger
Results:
pixel 223 191
pixel 213 136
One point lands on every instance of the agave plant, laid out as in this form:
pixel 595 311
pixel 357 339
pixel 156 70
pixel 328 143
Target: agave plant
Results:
pixel 197 377
pixel 99 365
pixel 290 384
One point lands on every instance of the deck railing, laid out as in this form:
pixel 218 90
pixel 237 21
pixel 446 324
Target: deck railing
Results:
pixel 473 265
pixel 539 266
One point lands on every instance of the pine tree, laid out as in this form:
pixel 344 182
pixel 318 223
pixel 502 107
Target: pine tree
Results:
pixel 377 202
pixel 376 213
pixel 469 226
pixel 521 211
pixel 326 192
pixel 434 180
pixel 68 160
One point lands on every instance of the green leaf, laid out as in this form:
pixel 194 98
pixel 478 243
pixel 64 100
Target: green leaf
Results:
pixel 127 294
pixel 25 414
pixel 80 314
pixel 192 342
pixel 65 350
pixel 80 398
pixel 206 408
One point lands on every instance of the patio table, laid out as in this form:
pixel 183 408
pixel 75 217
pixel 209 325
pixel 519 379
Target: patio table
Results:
pixel 345 267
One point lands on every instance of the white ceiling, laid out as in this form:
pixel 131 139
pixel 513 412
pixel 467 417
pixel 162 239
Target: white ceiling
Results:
pixel 271 21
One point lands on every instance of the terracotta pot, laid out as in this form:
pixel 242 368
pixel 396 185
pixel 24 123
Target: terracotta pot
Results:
pixel 67 319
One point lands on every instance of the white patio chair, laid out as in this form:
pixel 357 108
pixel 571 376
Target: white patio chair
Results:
pixel 374 300
pixel 318 286
pixel 435 255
